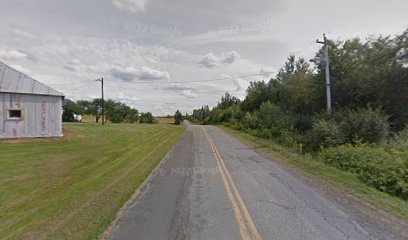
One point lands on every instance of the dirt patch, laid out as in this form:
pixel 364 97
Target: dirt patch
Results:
pixel 165 121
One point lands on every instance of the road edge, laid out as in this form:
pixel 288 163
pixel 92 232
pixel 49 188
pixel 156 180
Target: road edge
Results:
pixel 338 194
pixel 108 231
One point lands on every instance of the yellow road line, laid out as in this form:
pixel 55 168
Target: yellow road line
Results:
pixel 246 224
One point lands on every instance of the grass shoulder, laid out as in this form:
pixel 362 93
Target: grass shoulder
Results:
pixel 338 184
pixel 73 188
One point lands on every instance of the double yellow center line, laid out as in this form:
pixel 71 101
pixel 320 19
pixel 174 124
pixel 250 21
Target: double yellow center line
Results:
pixel 246 225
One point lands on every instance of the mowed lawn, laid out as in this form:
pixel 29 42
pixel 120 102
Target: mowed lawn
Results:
pixel 73 188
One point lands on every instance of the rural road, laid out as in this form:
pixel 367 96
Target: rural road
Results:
pixel 212 186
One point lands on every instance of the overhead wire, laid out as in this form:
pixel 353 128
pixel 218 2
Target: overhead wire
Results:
pixel 208 80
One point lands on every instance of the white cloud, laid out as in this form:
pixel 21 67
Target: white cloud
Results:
pixel 12 54
pixel 230 57
pixel 212 61
pixel 142 73
pixel 188 93
pixel 130 5
pixel 239 84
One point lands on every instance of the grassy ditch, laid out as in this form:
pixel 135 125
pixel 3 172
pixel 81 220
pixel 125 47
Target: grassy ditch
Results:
pixel 72 188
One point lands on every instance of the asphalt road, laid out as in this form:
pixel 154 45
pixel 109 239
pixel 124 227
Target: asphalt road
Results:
pixel 211 186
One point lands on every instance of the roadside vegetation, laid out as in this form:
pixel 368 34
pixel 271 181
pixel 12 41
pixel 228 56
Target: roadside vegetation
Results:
pixel 178 117
pixel 115 112
pixel 341 185
pixel 72 188
pixel 367 133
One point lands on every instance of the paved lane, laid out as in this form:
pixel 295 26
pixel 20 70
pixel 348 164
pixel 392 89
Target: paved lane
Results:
pixel 211 186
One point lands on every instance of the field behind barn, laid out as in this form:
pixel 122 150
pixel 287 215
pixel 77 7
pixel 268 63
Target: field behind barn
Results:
pixel 72 188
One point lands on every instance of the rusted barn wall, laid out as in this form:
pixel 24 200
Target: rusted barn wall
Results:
pixel 41 115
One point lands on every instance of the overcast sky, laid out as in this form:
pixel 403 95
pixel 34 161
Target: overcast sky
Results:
pixel 68 44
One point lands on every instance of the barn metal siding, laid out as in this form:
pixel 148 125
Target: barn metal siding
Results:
pixel 41 115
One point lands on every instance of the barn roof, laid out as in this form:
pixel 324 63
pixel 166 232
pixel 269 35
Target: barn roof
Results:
pixel 13 81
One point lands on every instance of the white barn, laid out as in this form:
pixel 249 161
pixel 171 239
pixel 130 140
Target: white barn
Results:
pixel 28 108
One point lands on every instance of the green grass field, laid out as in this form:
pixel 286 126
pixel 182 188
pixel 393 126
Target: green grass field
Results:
pixel 73 188
pixel 326 176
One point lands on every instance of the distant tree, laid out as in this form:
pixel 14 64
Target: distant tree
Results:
pixel 147 118
pixel 93 107
pixel 70 109
pixel 201 114
pixel 178 117
pixel 115 112
pixel 132 116
pixel 257 93
pixel 227 101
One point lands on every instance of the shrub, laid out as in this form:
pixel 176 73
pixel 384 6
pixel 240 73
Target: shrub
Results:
pixel 147 118
pixel 225 115
pixel 326 133
pixel 368 125
pixel 214 117
pixel 400 140
pixel 290 138
pixel 250 121
pixel 272 117
pixel 375 166
pixel 302 122
pixel 233 124
pixel 237 112
pixel 178 117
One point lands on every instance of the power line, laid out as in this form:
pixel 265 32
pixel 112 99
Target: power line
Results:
pixel 208 80
pixel 304 48
pixel 171 82
pixel 67 85
pixel 83 85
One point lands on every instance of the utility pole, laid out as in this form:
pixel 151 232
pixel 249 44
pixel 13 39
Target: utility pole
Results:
pixel 326 60
pixel 202 112
pixel 103 101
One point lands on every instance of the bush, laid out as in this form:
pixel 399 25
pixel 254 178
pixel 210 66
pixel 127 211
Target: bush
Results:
pixel 237 112
pixel 178 117
pixel 272 117
pixel 250 121
pixel 225 115
pixel 377 167
pixel 193 120
pixel 70 109
pixel 400 140
pixel 325 133
pixel 234 124
pixel 366 125
pixel 290 138
pixel 147 118
pixel 398 144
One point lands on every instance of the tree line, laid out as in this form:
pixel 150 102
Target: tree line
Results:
pixel 115 112
pixel 370 109
pixel 369 95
